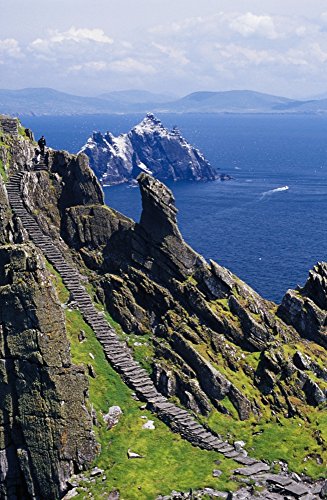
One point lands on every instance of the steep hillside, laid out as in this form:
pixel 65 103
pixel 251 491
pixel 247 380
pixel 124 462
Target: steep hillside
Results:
pixel 245 368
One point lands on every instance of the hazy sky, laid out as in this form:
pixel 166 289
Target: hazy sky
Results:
pixel 174 46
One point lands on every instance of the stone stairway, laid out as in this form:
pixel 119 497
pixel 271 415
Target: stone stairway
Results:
pixel 120 356
pixel 41 165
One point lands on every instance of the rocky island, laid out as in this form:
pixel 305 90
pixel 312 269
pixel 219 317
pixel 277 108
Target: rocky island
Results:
pixel 149 147
pixel 130 366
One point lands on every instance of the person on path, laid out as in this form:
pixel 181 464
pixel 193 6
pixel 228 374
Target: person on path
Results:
pixel 42 143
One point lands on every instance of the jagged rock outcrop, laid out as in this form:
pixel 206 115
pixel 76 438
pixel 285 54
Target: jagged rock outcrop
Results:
pixel 306 308
pixel 45 427
pixel 148 147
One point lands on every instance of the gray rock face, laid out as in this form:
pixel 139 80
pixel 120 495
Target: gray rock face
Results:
pixel 45 429
pixel 148 147
pixel 306 308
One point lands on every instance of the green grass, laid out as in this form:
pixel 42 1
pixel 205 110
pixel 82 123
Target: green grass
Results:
pixel 21 130
pixel 169 461
pixel 3 172
pixel 288 439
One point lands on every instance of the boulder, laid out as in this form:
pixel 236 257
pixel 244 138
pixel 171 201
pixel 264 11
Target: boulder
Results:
pixel 113 416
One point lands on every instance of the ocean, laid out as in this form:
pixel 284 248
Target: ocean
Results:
pixel 267 225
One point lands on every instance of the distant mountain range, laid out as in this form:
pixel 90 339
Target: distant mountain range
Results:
pixel 46 101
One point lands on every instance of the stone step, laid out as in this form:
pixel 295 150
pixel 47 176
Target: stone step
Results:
pixel 123 358
pixel 296 489
pixel 165 406
pixel 150 394
pixel 232 454
pixel 226 448
pixel 211 439
pixel 181 418
pixel 122 364
pixel 138 379
pixel 199 433
pixel 156 399
pixel 128 372
pixel 252 469
pixel 144 385
pixel 84 303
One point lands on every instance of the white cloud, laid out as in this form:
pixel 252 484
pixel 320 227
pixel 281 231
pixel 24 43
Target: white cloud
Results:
pixel 250 24
pixel 90 66
pixel 175 54
pixel 10 47
pixel 75 35
pixel 241 56
pixel 178 27
pixel 79 34
pixel 225 50
pixel 130 66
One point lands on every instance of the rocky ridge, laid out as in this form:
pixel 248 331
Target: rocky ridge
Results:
pixel 201 317
pixel 149 147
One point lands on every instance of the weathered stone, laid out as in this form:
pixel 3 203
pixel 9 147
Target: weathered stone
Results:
pixel 296 489
pixel 149 425
pixel 44 391
pixel 113 416
pixel 306 309
pixel 323 491
pixel 239 445
pixel 314 394
pixel 96 471
pixel 301 361
pixel 253 469
pixel 71 494
pixel 114 495
pixel 91 371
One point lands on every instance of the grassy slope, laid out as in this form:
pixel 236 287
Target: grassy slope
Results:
pixel 170 462
pixel 292 440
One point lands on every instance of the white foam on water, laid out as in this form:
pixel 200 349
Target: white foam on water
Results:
pixel 273 191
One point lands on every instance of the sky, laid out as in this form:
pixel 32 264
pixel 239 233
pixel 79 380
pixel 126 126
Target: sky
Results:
pixel 166 46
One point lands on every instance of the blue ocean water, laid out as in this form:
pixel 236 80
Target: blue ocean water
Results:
pixel 269 237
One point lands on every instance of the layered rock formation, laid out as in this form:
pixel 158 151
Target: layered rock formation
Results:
pixel 306 308
pixel 148 147
pixel 45 427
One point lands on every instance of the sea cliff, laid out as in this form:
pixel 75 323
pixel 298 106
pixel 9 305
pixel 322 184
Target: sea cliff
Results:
pixel 245 368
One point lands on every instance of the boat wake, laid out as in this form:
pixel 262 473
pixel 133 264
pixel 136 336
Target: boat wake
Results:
pixel 273 191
